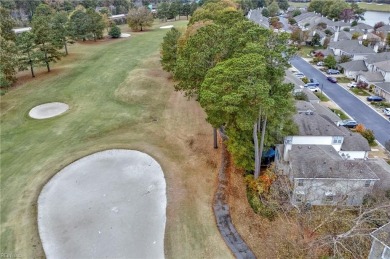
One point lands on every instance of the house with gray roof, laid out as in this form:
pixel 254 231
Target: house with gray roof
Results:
pixel 384 68
pixel 353 68
pixel 321 177
pixel 370 77
pixel 351 48
pixel 380 247
pixel 371 59
pixel 383 89
pixel 324 159
pixel 385 29
pixel 342 35
pixel 361 27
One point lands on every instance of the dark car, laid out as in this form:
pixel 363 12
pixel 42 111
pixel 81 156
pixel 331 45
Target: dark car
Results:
pixel 311 84
pixel 333 72
pixel 374 98
pixel 348 123
pixel 314 81
pixel 332 79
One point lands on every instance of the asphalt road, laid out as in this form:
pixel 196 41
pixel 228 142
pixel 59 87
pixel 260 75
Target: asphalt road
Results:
pixel 352 105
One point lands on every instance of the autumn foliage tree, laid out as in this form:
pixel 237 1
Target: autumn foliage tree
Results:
pixel 139 18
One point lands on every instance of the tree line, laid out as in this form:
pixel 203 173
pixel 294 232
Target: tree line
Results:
pixel 235 69
pixel 50 32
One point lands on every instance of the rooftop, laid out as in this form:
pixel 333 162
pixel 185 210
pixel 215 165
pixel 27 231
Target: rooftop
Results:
pixel 355 142
pixel 383 234
pixel 383 65
pixel 377 57
pixel 323 161
pixel 314 124
pixel 372 76
pixel 354 65
pixel 384 86
pixel 351 47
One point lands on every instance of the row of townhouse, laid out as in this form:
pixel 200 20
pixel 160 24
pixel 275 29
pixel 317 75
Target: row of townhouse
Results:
pixel 326 164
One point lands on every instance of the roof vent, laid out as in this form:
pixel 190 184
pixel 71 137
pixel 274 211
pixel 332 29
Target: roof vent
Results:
pixel 309 147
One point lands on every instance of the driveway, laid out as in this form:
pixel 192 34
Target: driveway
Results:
pixel 352 105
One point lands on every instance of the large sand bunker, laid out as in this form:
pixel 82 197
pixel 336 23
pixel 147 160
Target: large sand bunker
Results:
pixel 48 110
pixel 166 27
pixel 110 204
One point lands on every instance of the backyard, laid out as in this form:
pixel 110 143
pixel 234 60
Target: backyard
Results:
pixel 119 97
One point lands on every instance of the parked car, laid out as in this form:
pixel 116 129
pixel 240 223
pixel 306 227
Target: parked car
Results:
pixel 348 123
pixel 313 88
pixel 386 111
pixel 320 63
pixel 352 84
pixel 311 84
pixel 332 72
pixel 332 79
pixel 299 75
pixel 314 81
pixel 374 98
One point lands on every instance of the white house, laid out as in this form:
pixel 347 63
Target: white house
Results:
pixel 351 48
pixel 380 248
pixel 326 163
pixel 321 177
pixel 383 89
pixel 384 68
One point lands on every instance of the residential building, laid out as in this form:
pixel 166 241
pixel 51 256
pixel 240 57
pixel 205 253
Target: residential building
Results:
pixel 351 48
pixel 380 248
pixel 325 163
pixel 383 89
pixel 353 68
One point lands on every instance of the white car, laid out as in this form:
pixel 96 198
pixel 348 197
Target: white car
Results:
pixel 299 75
pixel 386 111
pixel 313 88
pixel 352 84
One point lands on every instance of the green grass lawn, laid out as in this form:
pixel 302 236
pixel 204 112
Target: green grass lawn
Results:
pixel 343 79
pixel 119 98
pixel 359 91
pixel 341 114
pixel 375 7
pixel 322 97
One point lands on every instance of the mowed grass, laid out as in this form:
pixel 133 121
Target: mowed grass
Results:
pixel 119 97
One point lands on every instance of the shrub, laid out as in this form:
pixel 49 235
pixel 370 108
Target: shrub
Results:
pixel 305 80
pixel 301 96
pixel 369 135
pixel 360 128
pixel 328 32
pixel 115 32
pixel 346 29
pixel 354 23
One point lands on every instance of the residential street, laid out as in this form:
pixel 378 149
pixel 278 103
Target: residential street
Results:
pixel 361 112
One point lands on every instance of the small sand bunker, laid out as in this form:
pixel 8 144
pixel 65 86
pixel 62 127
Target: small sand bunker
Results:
pixel 48 110
pixel 125 35
pixel 166 27
pixel 111 204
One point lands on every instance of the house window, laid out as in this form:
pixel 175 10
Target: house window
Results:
pixel 367 183
pixel 288 140
pixel 337 140
pixel 300 182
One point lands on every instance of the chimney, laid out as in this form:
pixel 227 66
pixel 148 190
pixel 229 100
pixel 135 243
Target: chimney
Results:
pixel 336 35
pixel 365 34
